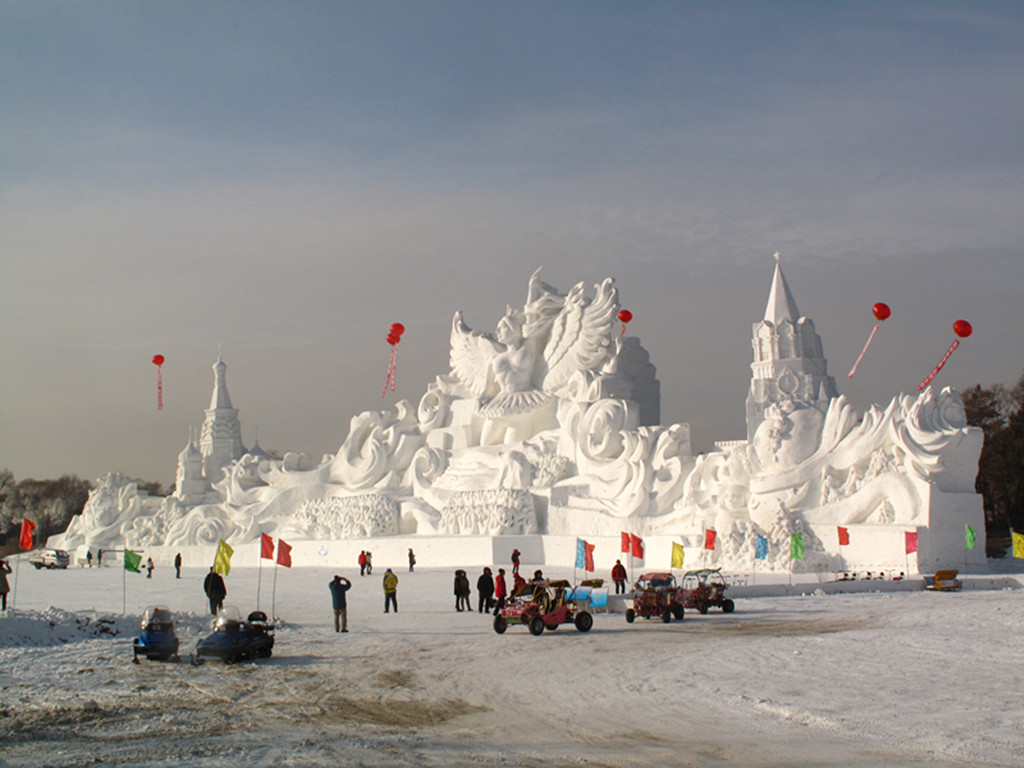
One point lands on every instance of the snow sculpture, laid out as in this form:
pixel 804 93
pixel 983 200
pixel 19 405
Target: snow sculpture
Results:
pixel 549 427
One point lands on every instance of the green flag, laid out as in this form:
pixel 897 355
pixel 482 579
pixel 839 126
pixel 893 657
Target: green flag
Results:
pixel 969 537
pixel 131 561
pixel 796 547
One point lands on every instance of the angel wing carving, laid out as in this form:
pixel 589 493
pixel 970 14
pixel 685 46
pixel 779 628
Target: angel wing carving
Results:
pixel 581 334
pixel 471 355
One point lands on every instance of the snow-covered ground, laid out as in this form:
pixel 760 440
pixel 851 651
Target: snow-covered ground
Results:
pixel 898 678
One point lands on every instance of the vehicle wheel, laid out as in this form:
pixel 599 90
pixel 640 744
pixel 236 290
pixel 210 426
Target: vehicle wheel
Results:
pixel 583 621
pixel 38 566
pixel 265 653
pixel 677 612
pixel 702 606
pixel 666 615
pixel 550 627
pixel 536 625
pixel 500 625
pixel 630 615
pixel 728 606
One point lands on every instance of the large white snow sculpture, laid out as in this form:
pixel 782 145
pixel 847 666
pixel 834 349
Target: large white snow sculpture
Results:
pixel 550 427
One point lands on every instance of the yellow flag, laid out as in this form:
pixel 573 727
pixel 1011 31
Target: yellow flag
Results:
pixel 222 562
pixel 1018 544
pixel 677 555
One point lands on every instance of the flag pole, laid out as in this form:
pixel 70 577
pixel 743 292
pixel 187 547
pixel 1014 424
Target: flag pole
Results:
pixel 124 589
pixel 259 577
pixel 273 603
pixel 17 572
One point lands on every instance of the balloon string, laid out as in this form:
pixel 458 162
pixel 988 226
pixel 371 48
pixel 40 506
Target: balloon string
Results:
pixel 389 382
pixel 394 367
pixel 159 390
pixel 862 353
pixel 942 362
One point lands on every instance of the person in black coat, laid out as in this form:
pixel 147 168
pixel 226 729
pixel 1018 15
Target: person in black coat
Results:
pixel 485 589
pixel 461 590
pixel 214 587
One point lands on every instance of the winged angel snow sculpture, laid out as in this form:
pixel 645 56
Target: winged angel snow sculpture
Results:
pixel 517 373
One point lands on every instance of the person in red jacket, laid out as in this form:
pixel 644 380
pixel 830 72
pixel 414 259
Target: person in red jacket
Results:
pixel 500 591
pixel 362 563
pixel 619 577
pixel 515 561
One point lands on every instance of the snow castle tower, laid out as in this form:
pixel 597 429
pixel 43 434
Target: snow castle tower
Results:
pixel 789 364
pixel 221 440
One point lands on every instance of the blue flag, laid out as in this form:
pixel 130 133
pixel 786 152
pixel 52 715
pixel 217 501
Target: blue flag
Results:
pixel 581 554
pixel 761 548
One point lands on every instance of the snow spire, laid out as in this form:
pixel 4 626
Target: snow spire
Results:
pixel 781 305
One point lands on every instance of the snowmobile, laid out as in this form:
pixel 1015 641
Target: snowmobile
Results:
pixel 236 640
pixel 156 640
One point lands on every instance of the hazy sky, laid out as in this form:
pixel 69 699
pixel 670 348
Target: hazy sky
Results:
pixel 284 180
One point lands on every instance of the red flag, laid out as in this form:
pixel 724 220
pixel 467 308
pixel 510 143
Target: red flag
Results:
pixel 266 547
pixel 844 536
pixel 636 546
pixel 911 537
pixel 709 538
pixel 27 527
pixel 589 554
pixel 625 542
pixel 284 554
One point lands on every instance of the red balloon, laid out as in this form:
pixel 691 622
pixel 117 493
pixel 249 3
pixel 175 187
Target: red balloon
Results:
pixel 625 315
pixel 881 311
pixel 397 328
pixel 962 329
pixel 393 338
pixel 158 360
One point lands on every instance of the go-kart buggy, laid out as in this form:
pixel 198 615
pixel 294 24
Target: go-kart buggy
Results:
pixel 156 640
pixel 656 595
pixel 236 640
pixel 541 606
pixel 705 588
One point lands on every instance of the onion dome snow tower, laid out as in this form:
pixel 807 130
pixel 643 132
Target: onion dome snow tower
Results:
pixel 789 364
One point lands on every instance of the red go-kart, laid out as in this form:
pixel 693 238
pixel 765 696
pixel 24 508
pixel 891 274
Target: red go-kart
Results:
pixel 656 596
pixel 541 606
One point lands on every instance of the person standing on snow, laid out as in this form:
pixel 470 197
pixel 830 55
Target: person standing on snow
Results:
pixel 149 567
pixel 485 591
pixel 619 577
pixel 5 585
pixel 515 561
pixel 500 591
pixel 362 562
pixel 412 559
pixel 461 591
pixel 390 583
pixel 213 586
pixel 177 566
pixel 338 588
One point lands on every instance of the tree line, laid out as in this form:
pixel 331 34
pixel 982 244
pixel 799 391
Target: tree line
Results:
pixel 998 410
pixel 50 504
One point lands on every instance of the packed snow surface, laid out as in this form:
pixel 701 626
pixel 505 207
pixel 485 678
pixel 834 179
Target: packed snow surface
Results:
pixel 880 678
